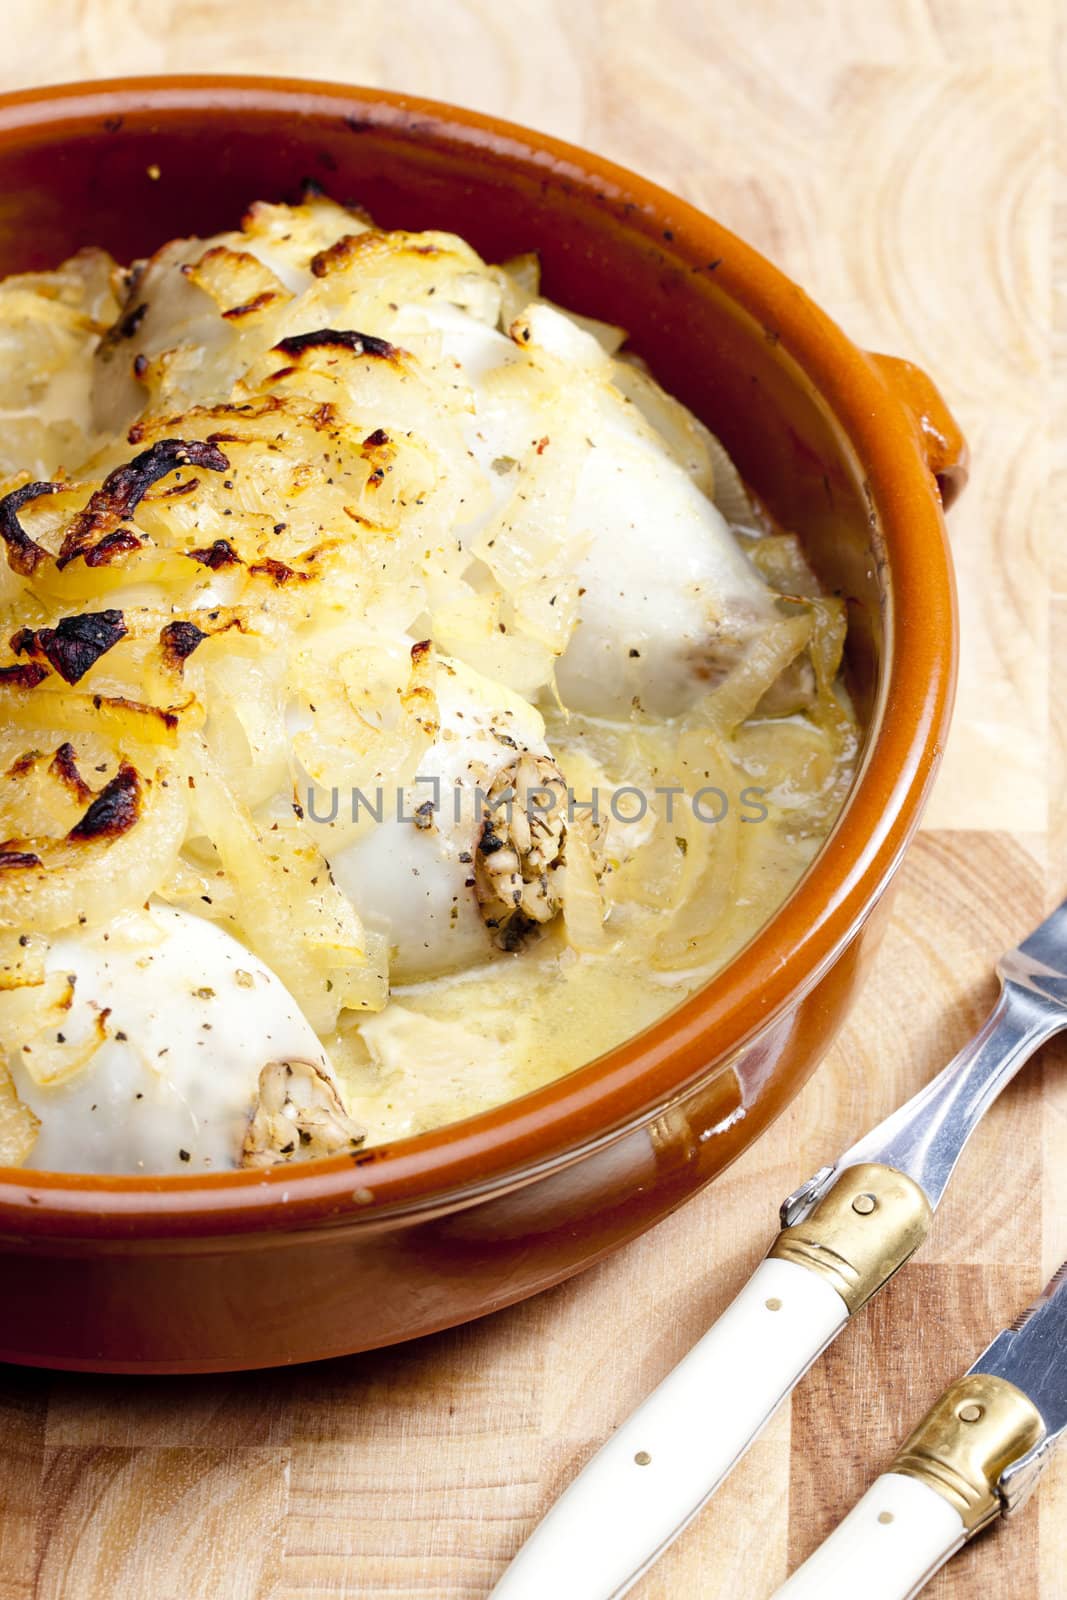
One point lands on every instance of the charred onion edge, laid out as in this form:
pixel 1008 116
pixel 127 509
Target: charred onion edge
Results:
pixel 64 768
pixel 115 809
pixel 24 555
pixel 337 256
pixel 277 571
pixel 24 675
pixel 75 644
pixel 361 344
pixel 178 640
pixel 258 302
pixel 219 554
pixel 119 543
pixel 17 858
pixel 128 321
pixel 123 490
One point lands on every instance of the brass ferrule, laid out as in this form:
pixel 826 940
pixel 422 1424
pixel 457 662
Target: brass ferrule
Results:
pixel 860 1232
pixel 980 1425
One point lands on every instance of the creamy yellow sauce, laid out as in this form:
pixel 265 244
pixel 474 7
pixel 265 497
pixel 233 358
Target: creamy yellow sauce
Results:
pixel 459 1044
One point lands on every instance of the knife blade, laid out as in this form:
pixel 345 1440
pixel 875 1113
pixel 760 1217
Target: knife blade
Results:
pixel 977 1454
pixel 845 1232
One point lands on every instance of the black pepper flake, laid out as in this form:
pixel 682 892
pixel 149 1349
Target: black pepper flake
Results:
pixel 183 1155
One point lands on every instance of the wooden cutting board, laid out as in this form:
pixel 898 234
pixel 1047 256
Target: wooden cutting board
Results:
pixel 900 161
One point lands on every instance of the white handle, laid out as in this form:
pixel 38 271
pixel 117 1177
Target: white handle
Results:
pixel 887 1548
pixel 654 1474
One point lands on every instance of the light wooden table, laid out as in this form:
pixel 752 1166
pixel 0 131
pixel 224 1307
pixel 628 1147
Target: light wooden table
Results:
pixel 900 159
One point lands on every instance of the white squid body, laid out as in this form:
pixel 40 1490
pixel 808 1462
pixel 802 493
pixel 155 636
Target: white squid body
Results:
pixel 666 587
pixel 416 884
pixel 166 308
pixel 189 1019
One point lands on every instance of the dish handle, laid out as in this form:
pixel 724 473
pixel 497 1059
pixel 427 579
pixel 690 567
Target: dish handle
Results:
pixel 942 442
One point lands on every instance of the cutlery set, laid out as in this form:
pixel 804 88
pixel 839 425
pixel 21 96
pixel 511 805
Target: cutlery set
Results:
pixel 976 1455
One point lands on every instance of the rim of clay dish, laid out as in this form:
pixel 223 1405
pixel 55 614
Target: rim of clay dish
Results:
pixel 595 1103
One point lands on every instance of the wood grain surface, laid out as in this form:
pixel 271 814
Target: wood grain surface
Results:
pixel 904 161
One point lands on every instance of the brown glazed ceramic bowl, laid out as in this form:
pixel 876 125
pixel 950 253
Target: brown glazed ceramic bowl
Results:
pixel 855 451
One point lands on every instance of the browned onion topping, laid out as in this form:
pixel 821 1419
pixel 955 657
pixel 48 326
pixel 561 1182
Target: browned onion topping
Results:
pixel 219 554
pixel 17 858
pixel 124 489
pixel 178 641
pixel 24 675
pixel 115 809
pixel 119 543
pixel 64 767
pixel 258 303
pixel 277 571
pixel 362 344
pixel 24 555
pixel 74 644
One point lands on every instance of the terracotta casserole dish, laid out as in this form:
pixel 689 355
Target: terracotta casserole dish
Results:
pixel 855 452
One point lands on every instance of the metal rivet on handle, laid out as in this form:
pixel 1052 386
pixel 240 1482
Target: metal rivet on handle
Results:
pixel 971 1412
pixel 864 1204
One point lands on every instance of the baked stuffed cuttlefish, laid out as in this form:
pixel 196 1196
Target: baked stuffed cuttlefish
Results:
pixel 402 698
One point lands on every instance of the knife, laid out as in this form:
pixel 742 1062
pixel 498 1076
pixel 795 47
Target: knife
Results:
pixel 976 1454
pixel 844 1233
